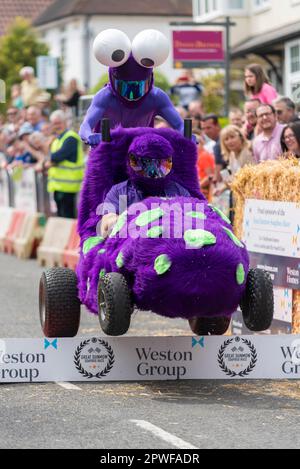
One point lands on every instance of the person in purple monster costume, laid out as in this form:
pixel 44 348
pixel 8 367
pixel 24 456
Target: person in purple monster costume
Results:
pixel 177 254
pixel 130 99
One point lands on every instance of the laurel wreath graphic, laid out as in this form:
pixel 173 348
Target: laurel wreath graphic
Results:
pixel 87 374
pixel 243 373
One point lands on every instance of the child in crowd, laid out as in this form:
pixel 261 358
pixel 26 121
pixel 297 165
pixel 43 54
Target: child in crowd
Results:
pixel 257 85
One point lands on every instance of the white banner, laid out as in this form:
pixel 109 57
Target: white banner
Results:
pixel 94 359
pixel 4 189
pixel 272 227
pixel 25 197
pixel 47 72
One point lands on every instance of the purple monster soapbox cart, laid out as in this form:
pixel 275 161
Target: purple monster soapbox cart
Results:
pixel 169 252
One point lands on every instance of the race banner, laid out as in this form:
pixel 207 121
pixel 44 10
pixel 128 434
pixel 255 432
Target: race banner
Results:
pixel 96 359
pixel 271 232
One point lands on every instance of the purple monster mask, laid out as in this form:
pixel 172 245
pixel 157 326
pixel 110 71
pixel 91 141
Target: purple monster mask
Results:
pixel 150 161
pixel 131 63
pixel 131 81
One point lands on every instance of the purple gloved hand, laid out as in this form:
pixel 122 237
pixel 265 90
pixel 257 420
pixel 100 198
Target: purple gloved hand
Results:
pixel 94 140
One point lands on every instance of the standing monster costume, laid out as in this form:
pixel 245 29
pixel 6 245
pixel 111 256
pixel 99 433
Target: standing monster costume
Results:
pixel 130 99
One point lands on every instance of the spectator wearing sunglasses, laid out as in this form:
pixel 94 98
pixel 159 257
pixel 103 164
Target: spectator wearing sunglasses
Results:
pixel 286 110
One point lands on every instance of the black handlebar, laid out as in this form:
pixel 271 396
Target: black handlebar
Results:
pixel 105 130
pixel 188 128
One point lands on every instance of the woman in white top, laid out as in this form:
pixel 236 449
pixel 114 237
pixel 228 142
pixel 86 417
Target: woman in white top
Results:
pixel 235 148
pixel 236 152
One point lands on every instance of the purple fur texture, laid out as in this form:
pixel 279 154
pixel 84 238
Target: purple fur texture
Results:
pixel 200 281
pixel 107 166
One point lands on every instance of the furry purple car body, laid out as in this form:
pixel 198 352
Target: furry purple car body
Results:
pixel 203 279
pixel 176 256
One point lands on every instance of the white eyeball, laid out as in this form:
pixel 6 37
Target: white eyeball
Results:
pixel 150 48
pixel 112 48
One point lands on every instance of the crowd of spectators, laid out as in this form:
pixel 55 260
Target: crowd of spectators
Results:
pixel 265 128
pixel 26 131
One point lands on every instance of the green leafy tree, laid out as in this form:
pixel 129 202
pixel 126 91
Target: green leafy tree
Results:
pixel 18 48
pixel 214 94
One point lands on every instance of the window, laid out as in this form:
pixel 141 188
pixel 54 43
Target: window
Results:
pixel 236 4
pixel 295 59
pixel 213 8
pixel 292 70
pixel 205 7
pixel 261 4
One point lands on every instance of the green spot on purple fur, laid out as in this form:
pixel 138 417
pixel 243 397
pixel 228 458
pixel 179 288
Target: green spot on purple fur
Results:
pixel 120 260
pixel 119 225
pixel 232 236
pixel 220 213
pixel 199 238
pixel 240 274
pixel 155 232
pixel 199 215
pixel 149 216
pixel 102 273
pixel 162 264
pixel 90 243
pixel 102 251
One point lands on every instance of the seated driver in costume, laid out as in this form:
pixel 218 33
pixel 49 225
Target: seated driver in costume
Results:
pixel 130 99
pixel 149 166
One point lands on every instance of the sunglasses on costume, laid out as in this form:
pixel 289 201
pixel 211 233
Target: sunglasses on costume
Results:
pixel 150 167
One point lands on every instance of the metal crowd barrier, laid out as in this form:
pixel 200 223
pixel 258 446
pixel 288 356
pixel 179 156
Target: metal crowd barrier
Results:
pixel 24 189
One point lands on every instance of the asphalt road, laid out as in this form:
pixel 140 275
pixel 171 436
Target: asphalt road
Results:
pixel 152 415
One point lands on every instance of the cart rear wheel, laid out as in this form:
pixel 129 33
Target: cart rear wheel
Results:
pixel 258 301
pixel 59 304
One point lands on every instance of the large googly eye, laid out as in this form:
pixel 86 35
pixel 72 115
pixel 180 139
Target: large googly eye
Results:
pixel 112 48
pixel 150 48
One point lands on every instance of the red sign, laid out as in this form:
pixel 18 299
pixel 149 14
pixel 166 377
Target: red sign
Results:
pixel 198 47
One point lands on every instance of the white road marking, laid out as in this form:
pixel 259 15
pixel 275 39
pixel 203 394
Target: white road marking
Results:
pixel 162 434
pixel 69 386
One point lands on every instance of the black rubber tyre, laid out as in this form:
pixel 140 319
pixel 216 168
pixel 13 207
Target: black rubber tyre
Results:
pixel 114 304
pixel 258 301
pixel 59 303
pixel 209 326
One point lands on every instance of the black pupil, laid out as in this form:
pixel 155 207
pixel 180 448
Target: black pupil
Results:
pixel 147 62
pixel 118 55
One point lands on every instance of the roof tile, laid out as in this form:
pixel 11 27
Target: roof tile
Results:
pixel 65 8
pixel 10 9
